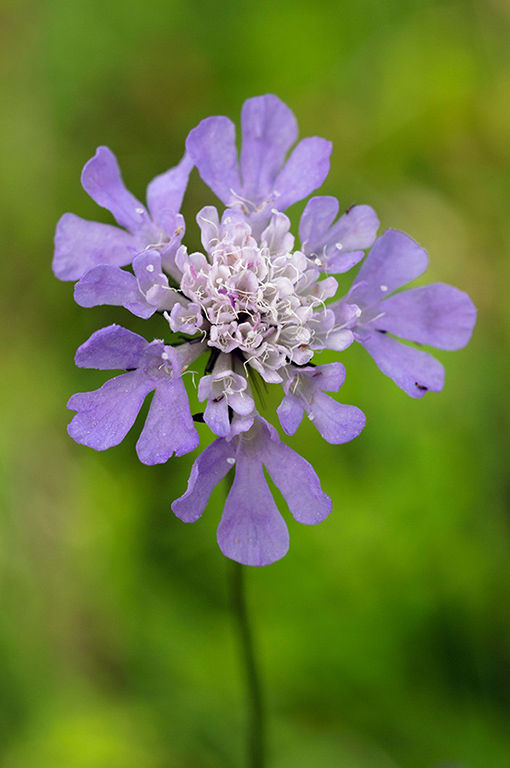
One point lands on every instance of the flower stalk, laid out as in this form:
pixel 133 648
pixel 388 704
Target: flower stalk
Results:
pixel 256 747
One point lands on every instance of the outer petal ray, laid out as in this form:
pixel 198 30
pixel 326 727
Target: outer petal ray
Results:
pixel 298 482
pixel 106 415
pixel 436 314
pixel 208 470
pixel 251 530
pixel 305 170
pixel 269 129
pixel 413 370
pixel 102 179
pixel 112 348
pixel 81 245
pixel 211 146
pixel 166 191
pixel 169 427
pixel 394 260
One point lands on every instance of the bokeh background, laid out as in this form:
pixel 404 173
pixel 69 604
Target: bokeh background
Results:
pixel 384 634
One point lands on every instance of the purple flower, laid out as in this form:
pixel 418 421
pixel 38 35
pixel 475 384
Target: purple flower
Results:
pixel 105 416
pixel 257 305
pixel 142 293
pixel 263 180
pixel 251 530
pixel 336 247
pixel 436 315
pixel 81 245
pixel 304 391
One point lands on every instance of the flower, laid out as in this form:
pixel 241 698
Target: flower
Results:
pixel 256 305
pixel 251 530
pixel 262 180
pixel 81 245
pixel 437 315
pixel 105 416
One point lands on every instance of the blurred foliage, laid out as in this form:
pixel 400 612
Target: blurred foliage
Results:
pixel 385 633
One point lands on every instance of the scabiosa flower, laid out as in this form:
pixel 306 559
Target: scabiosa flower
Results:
pixel 256 304
pixel 81 245
pixel 437 315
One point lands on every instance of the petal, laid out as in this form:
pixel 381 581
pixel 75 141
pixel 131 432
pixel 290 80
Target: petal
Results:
pixel 437 314
pixel 209 223
pixel 81 245
pixel 337 423
pixel 241 403
pixel 411 369
pixel 290 412
pixel 317 218
pixel 339 263
pixel 105 416
pixel 147 268
pixel 298 483
pixel 208 470
pixel 394 260
pixel 339 339
pixel 355 229
pixel 211 146
pixel 113 286
pixel 165 193
pixel 305 170
pixel 110 348
pixel 340 246
pixel 216 416
pixel 169 426
pixel 251 529
pixel 328 377
pixel 102 180
pixel 269 129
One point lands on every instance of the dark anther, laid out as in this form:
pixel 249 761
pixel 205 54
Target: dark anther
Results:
pixel 380 331
pixel 128 370
pixel 218 399
pixel 198 417
pixel 420 386
pixel 349 209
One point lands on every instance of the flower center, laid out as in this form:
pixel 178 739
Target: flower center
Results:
pixel 256 297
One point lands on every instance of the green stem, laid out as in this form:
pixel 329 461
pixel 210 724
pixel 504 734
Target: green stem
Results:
pixel 256 751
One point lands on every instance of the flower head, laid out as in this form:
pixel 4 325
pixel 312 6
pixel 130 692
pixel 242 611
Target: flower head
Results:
pixel 258 306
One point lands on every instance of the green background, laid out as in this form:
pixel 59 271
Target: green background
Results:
pixel 384 633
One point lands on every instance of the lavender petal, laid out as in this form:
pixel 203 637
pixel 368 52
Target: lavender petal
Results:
pixel 113 286
pixel 298 483
pixel 102 179
pixel 336 423
pixel 211 146
pixel 269 129
pixel 81 245
pixel 414 371
pixel 106 415
pixel 166 191
pixel 169 426
pixel 216 417
pixel 305 170
pixel 207 471
pixel 437 314
pixel 112 348
pixel 251 530
pixel 290 413
pixel 340 246
pixel 394 260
